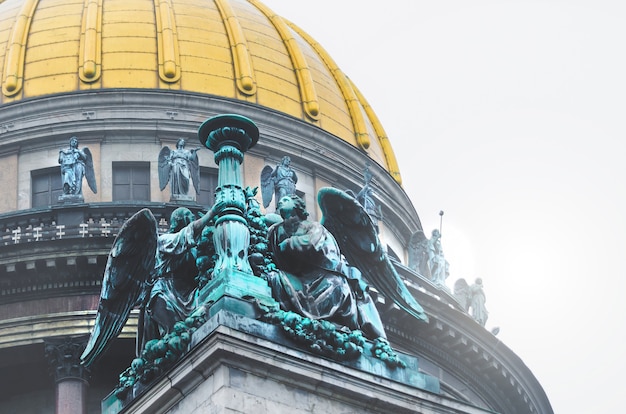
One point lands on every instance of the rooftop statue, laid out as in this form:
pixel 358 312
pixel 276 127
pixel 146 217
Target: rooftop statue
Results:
pixel 75 164
pixel 418 254
pixel 477 302
pixel 365 198
pixel 278 182
pixel 439 268
pixel 472 299
pixel 179 168
pixel 321 264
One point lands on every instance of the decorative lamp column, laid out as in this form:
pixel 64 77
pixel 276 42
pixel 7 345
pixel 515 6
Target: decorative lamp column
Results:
pixel 229 136
pixel 70 375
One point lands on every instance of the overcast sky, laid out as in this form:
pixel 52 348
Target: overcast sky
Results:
pixel 509 116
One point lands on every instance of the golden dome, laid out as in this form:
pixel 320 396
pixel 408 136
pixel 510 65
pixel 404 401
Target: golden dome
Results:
pixel 236 49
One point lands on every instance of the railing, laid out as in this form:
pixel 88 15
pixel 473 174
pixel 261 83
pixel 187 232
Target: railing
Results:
pixel 77 221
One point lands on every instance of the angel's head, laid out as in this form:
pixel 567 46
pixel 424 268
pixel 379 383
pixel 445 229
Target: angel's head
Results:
pixel 180 143
pixel 292 205
pixel 73 142
pixel 180 218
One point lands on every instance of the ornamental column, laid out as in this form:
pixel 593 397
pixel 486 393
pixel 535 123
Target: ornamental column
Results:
pixel 70 376
pixel 229 136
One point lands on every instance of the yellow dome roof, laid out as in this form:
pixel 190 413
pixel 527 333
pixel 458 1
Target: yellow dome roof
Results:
pixel 235 49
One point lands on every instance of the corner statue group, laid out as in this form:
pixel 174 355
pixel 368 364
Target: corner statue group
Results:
pixel 321 270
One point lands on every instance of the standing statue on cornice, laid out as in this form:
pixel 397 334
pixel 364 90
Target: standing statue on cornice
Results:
pixel 365 198
pixel 75 164
pixel 439 268
pixel 472 299
pixel 418 254
pixel 278 182
pixel 477 302
pixel 180 168
pixel 317 281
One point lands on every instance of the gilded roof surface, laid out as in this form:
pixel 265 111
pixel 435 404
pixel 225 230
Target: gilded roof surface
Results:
pixel 236 49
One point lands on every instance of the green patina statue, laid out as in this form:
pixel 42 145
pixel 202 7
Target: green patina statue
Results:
pixel 316 271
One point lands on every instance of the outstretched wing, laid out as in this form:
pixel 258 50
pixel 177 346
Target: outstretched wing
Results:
pixel 194 169
pixel 358 240
pixel 164 167
pixel 130 262
pixel 267 185
pixel 90 174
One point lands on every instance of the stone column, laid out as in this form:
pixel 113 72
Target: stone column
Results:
pixel 63 356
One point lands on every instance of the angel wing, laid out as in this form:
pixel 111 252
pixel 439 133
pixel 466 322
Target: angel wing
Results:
pixel 358 240
pixel 462 293
pixel 418 254
pixel 194 169
pixel 128 268
pixel 164 167
pixel 90 174
pixel 267 185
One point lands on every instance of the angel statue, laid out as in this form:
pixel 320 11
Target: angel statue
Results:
pixel 439 267
pixel 472 299
pixel 280 181
pixel 317 281
pixel 179 167
pixel 153 272
pixel 366 199
pixel 418 254
pixel 75 164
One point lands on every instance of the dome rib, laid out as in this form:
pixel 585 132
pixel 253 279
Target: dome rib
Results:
pixel 390 157
pixel 14 61
pixel 244 74
pixel 167 42
pixel 308 94
pixel 358 122
pixel 91 42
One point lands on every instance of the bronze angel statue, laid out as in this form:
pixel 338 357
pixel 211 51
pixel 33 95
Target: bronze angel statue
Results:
pixel 325 268
pixel 76 163
pixel 278 182
pixel 179 168
pixel 152 272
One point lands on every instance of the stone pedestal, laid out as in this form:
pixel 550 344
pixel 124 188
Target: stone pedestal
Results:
pixel 238 364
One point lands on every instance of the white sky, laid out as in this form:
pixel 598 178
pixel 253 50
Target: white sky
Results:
pixel 509 116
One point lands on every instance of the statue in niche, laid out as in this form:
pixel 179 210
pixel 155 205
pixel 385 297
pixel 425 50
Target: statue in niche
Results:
pixel 278 182
pixel 418 254
pixel 439 268
pixel 75 164
pixel 472 299
pixel 162 285
pixel 179 168
pixel 317 281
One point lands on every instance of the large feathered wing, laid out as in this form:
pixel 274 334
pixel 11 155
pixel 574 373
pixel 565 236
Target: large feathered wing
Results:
pixel 358 240
pixel 90 174
pixel 267 185
pixel 194 170
pixel 164 167
pixel 129 265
